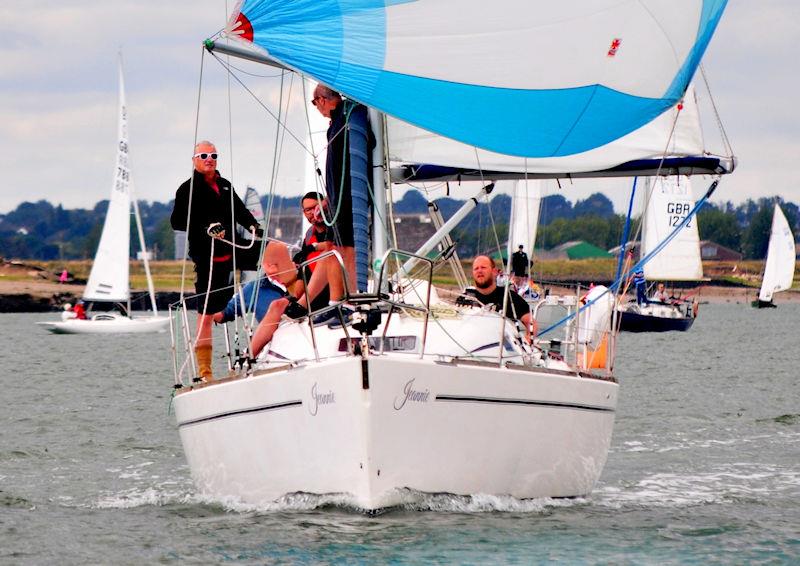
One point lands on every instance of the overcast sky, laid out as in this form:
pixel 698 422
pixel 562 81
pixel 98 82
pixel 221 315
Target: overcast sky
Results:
pixel 58 101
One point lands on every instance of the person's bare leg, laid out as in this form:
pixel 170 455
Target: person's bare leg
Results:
pixel 204 329
pixel 349 258
pixel 202 348
pixel 315 285
pixel 266 328
pixel 335 278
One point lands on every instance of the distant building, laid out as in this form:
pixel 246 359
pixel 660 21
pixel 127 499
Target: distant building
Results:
pixel 413 230
pixel 712 251
pixel 578 249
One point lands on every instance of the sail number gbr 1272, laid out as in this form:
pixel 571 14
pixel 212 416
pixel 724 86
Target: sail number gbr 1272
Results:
pixel 677 211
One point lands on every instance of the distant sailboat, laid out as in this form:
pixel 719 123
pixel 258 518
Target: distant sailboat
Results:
pixel 523 225
pixel 109 277
pixel 779 269
pixel 669 201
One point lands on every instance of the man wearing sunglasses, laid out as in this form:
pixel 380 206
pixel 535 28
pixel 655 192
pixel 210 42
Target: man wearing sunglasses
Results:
pixel 215 208
pixel 330 104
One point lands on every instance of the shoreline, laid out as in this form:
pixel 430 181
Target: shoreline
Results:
pixel 34 295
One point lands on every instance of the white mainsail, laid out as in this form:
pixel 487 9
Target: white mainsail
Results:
pixel 108 280
pixel 779 269
pixel 524 215
pixel 669 200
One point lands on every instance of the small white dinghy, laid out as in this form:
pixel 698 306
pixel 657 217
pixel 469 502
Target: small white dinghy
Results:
pixel 108 323
pixel 109 278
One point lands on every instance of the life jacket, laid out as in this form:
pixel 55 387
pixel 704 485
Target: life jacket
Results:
pixel 311 238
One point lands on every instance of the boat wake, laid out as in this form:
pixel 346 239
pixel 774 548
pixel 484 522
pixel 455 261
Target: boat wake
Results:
pixel 657 444
pixel 172 494
pixel 733 483
pixel 140 497
pixel 411 501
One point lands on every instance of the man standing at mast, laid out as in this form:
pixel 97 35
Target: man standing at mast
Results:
pixel 342 178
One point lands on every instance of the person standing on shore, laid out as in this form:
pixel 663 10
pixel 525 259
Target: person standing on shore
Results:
pixel 519 267
pixel 213 204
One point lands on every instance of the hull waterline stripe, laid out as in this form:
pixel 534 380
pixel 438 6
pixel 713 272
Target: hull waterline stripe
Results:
pixel 526 402
pixel 242 412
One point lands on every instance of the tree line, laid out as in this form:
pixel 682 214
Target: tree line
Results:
pixel 42 231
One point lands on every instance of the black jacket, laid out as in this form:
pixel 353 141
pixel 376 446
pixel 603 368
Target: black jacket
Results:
pixel 208 207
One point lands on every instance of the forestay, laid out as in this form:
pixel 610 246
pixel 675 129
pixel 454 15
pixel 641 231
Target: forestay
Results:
pixel 779 269
pixel 529 78
pixel 669 201
pixel 108 280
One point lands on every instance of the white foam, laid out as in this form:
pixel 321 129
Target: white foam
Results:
pixel 736 481
pixel 410 500
pixel 142 497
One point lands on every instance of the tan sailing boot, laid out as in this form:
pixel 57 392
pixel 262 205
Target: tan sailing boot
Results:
pixel 203 355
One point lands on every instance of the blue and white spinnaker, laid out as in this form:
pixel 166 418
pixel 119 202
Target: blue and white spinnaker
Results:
pixel 531 78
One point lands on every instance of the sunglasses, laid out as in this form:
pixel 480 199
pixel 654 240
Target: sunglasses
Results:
pixel 316 100
pixel 205 155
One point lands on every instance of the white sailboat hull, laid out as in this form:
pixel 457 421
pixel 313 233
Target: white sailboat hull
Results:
pixel 108 323
pixel 373 430
pixel 655 317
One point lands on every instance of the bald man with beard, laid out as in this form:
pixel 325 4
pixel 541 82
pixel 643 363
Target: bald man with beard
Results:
pixel 487 292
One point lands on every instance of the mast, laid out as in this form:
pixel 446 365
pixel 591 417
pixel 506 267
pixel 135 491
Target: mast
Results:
pixel 132 196
pixel 380 212
pixel 142 245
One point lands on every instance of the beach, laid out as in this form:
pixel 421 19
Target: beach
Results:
pixel 34 286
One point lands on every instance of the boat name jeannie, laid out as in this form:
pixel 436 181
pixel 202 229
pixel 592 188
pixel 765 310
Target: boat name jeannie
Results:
pixel 411 395
pixel 320 399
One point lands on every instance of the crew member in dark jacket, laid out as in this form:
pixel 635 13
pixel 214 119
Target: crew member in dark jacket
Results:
pixel 212 198
pixel 338 180
pixel 519 262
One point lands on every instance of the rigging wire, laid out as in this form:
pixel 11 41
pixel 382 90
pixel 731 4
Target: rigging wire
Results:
pixel 237 287
pixel 725 140
pixel 260 102
pixel 191 177
pixel 648 191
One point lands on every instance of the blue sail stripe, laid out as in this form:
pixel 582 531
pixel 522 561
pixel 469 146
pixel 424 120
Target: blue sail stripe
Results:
pixel 342 43
pixel 555 122
pixel 709 19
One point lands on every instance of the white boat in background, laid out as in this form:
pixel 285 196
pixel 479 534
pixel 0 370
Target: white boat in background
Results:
pixel 781 259
pixel 417 393
pixel 109 277
pixel 668 201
